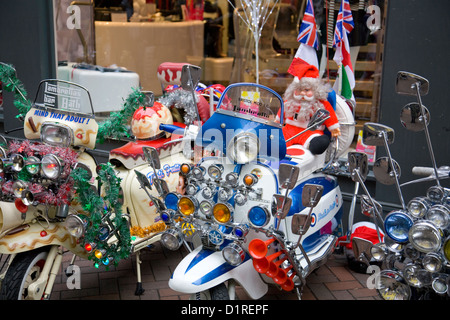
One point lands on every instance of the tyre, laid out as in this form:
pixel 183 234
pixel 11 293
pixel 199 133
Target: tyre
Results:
pixel 219 292
pixel 25 268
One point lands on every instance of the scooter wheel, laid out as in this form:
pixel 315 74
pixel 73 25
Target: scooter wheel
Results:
pixel 24 269
pixel 219 292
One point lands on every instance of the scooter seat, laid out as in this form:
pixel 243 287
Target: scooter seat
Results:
pixel 131 154
pixel 305 159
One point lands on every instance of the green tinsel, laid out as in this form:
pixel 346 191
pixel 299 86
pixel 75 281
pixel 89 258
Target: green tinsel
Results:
pixel 116 125
pixel 106 211
pixel 12 84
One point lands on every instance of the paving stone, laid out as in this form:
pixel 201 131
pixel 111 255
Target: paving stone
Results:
pixel 332 281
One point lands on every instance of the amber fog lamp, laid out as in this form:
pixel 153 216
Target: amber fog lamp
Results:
pixel 187 205
pixel 250 180
pixel 185 168
pixel 222 212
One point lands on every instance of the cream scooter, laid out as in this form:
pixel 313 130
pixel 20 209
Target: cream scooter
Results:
pixel 50 203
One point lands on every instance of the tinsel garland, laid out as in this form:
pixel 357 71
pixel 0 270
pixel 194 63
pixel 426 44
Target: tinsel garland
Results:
pixel 12 84
pixel 44 195
pixel 115 126
pixel 103 212
pixel 144 232
pixel 181 99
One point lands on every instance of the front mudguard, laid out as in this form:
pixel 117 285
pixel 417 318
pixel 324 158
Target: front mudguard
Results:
pixel 203 269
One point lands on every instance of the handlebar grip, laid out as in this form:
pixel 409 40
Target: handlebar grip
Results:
pixel 423 171
pixel 169 127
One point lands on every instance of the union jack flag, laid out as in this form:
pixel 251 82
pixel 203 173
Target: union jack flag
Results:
pixel 308 29
pixel 344 21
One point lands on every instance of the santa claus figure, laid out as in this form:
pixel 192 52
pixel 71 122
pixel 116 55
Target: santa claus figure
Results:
pixel 302 98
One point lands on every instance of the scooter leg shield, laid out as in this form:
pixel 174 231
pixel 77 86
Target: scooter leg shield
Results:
pixel 203 269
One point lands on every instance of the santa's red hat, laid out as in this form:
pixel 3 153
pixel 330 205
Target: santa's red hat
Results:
pixel 299 69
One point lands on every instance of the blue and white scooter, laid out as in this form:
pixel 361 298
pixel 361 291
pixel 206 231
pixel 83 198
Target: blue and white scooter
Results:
pixel 257 212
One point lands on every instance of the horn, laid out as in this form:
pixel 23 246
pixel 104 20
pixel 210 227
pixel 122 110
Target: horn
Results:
pixel 281 276
pixel 258 248
pixel 262 265
pixel 288 285
pixel 20 205
pixel 273 267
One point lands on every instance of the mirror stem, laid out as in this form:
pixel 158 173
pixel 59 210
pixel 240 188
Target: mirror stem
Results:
pixel 427 134
pixel 391 163
pixel 377 213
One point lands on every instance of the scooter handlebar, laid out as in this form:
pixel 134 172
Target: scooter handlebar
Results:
pixel 169 127
pixel 428 171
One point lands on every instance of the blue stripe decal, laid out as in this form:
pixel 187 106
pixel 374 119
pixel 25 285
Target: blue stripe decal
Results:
pixel 202 254
pixel 328 183
pixel 223 268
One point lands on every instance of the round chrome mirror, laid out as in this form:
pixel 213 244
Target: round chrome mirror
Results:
pixel 383 171
pixel 412 119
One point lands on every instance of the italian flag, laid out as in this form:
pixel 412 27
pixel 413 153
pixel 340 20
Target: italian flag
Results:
pixel 345 83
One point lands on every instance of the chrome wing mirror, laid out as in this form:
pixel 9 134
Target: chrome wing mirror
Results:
pixel 281 204
pixel 311 195
pixel 409 83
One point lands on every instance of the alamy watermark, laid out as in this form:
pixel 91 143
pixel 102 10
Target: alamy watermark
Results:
pixel 74 19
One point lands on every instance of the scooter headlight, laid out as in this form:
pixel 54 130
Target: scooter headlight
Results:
pixel 208 192
pixel 33 165
pixel 391 286
pixel 75 225
pixel 439 215
pixel 243 148
pixel 233 254
pixel 167 215
pixel 397 225
pixel 415 276
pixel 440 285
pixel 425 237
pixel 258 216
pixel 222 212
pixel 206 208
pixel 225 194
pixel 432 262
pixel 172 239
pixel 192 189
pixel 417 207
pixel 171 201
pixel 18 187
pixel 51 166
pixel 446 249
pixel 215 171
pixel 56 135
pixel 378 251
pixel 187 205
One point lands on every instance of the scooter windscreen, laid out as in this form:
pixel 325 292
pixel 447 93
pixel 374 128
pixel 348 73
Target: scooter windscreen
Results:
pixel 246 125
pixel 251 100
pixel 62 114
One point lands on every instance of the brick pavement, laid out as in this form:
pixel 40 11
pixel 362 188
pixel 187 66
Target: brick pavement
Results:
pixel 332 281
